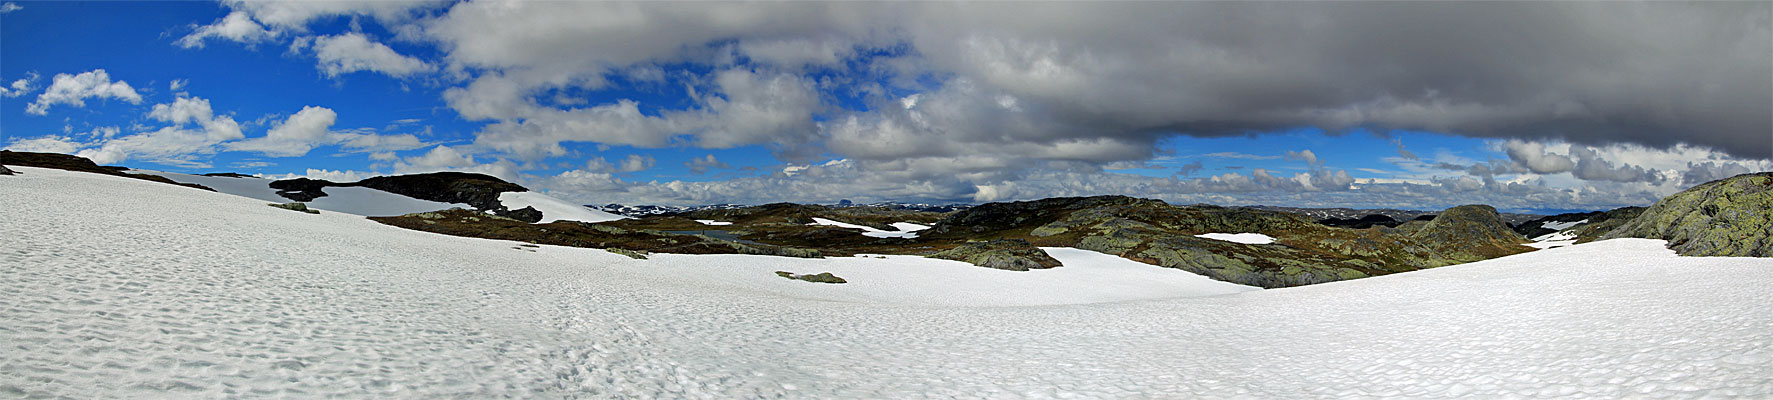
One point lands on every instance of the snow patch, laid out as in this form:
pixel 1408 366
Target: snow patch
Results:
pixel 906 230
pixel 554 209
pixel 1245 238
pixel 1553 240
pixel 713 222
pixel 1558 226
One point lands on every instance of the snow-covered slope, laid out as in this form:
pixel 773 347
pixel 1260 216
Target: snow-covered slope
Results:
pixel 376 203
pixel 554 209
pixel 118 288
pixel 349 200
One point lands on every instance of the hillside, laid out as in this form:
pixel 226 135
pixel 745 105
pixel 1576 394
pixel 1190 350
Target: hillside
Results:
pixel 122 288
pixel 1730 217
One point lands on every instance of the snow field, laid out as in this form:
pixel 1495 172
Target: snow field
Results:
pixel 554 209
pixel 119 288
pixel 713 222
pixel 1558 226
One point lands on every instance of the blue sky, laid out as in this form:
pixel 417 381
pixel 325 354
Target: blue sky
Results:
pixel 690 103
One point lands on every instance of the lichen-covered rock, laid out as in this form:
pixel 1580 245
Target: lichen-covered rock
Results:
pixel 295 207
pixel 1008 254
pixel 822 277
pixel 1727 217
pixel 1469 233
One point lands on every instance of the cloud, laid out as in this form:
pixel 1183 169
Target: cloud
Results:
pixel 632 163
pixel 179 144
pixel 1241 156
pixel 1401 151
pixel 295 15
pixel 9 7
pixel 445 158
pixel 238 26
pixel 1590 166
pixel 703 164
pixel 1533 156
pixel 177 84
pixel 21 87
pixel 1304 155
pixel 73 90
pixel 353 52
pixel 45 144
pixel 312 127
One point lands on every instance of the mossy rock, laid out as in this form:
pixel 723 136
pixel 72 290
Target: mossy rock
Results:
pixel 822 277
pixel 295 207
pixel 1731 217
pixel 1008 254
pixel 634 254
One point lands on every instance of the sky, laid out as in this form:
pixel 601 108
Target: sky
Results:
pixel 1527 106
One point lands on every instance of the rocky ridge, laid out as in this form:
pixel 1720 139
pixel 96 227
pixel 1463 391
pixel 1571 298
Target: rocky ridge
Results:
pixel 1727 217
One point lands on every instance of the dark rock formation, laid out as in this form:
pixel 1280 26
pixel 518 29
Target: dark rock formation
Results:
pixel 476 190
pixel 460 222
pixel 480 191
pixel 1727 217
pixel 229 175
pixel 526 214
pixel 303 189
pixel 79 164
pixel 1365 222
pixel 4 171
pixel 1023 215
pixel 1007 254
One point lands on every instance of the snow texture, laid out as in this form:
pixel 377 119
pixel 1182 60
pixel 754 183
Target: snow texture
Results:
pixel 906 230
pixel 1245 238
pixel 554 209
pixel 713 222
pixel 1558 226
pixel 120 288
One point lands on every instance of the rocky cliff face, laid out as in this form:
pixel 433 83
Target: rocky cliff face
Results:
pixel 1727 217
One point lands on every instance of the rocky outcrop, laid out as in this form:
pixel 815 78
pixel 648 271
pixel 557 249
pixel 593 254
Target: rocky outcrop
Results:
pixel 80 164
pixel 4 171
pixel 476 190
pixel 1728 217
pixel 1469 233
pixel 480 191
pixel 303 189
pixel 1023 215
pixel 1536 228
pixel 1007 254
pixel 467 223
pixel 1365 222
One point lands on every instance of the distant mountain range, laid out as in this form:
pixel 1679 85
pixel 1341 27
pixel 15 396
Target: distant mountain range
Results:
pixel 647 210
